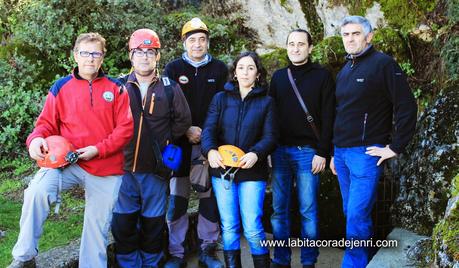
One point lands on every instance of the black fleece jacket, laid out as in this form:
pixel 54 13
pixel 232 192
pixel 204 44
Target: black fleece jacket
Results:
pixel 371 93
pixel 199 85
pixel 317 88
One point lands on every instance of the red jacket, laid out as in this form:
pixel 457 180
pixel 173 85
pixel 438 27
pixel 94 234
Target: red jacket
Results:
pixel 89 113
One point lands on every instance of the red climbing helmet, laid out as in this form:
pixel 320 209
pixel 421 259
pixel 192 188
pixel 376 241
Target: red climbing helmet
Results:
pixel 144 38
pixel 60 153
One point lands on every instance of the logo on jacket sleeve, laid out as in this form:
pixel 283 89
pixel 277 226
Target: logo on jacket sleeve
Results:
pixel 183 79
pixel 108 96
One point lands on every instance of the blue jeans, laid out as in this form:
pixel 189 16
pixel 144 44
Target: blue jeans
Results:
pixel 243 201
pixel 358 178
pixel 292 163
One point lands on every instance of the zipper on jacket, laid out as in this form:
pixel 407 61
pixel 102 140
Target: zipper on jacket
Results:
pixel 90 92
pixel 364 126
pixel 137 142
pixel 352 63
pixel 196 71
pixel 239 118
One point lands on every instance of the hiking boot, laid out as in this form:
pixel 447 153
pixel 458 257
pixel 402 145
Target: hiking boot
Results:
pixel 261 261
pixel 22 264
pixel 276 265
pixel 232 258
pixel 175 262
pixel 208 257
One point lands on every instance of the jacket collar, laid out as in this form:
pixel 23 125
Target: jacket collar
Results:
pixel 231 88
pixel 77 76
pixel 133 79
pixel 195 64
pixel 367 51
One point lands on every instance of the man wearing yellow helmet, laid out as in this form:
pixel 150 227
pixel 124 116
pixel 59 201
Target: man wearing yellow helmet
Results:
pixel 200 76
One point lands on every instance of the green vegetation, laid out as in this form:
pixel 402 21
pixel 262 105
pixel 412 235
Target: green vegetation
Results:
pixel 58 229
pixel 38 37
pixel 330 52
pixel 446 232
pixel 314 23
pixel 274 60
pixel 391 42
pixel 403 15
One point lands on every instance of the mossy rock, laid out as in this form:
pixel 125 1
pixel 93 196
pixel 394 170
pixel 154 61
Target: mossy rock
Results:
pixel 446 232
pixel 428 168
pixel 391 42
pixel 450 56
pixel 453 11
pixel 330 52
pixel 403 15
pixel 274 60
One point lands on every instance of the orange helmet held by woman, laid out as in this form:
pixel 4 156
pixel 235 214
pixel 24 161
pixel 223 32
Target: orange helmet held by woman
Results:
pixel 231 155
pixel 231 158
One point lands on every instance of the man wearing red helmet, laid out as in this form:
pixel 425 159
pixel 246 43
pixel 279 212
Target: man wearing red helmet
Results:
pixel 161 114
pixel 92 112
pixel 200 76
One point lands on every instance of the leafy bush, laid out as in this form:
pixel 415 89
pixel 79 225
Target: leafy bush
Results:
pixel 390 41
pixel 21 100
pixel 330 51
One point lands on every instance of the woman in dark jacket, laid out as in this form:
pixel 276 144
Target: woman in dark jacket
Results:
pixel 243 116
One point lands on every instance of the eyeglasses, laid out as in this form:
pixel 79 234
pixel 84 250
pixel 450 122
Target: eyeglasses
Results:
pixel 95 54
pixel 140 53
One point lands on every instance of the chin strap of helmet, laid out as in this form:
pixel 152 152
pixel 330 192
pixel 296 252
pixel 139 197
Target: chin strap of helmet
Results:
pixel 231 177
pixel 71 158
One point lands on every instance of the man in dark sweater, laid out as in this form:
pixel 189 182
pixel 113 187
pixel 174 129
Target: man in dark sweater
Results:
pixel 371 93
pixel 200 76
pixel 303 148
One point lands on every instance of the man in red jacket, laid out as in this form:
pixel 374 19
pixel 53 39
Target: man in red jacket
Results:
pixel 92 112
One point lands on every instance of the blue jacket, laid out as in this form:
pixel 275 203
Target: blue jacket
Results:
pixel 250 124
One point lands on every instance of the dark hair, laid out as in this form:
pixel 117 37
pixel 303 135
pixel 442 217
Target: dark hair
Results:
pixel 261 81
pixel 309 37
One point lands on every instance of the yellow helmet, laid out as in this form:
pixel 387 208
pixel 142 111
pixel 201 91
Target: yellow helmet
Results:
pixel 231 155
pixel 194 25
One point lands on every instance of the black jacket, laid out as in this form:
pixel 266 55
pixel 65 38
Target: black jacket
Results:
pixel 249 124
pixel 199 85
pixel 317 89
pixel 371 92
pixel 157 125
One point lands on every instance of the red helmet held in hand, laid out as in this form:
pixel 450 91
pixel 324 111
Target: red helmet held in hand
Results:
pixel 60 153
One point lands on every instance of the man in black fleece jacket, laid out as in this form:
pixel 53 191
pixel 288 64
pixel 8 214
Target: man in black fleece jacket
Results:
pixel 200 76
pixel 301 155
pixel 371 93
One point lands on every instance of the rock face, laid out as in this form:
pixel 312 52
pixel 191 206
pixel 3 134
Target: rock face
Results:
pixel 427 170
pixel 427 174
pixel 273 20
pixel 396 256
pixel 446 232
